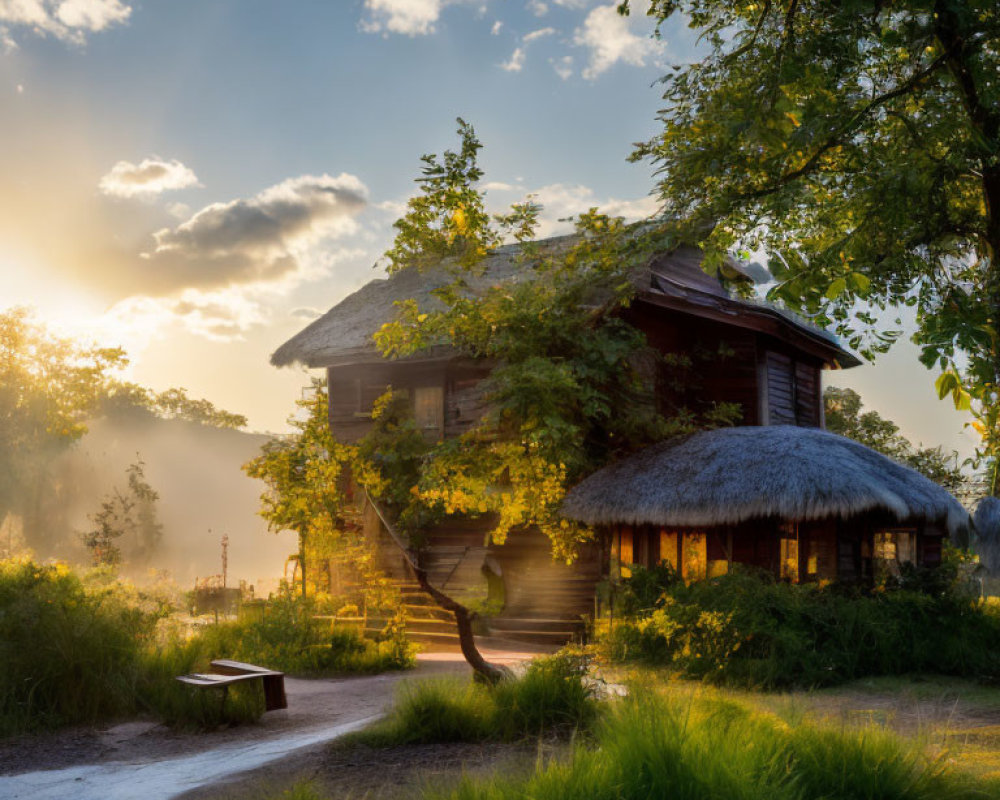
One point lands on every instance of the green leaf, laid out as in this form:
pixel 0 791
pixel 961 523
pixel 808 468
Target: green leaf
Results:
pixel 860 282
pixel 835 289
pixel 946 382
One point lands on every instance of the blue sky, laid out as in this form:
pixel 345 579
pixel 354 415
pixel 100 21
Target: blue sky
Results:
pixel 193 180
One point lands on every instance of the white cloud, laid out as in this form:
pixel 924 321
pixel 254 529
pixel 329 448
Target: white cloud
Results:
pixel 70 20
pixel 516 61
pixel 497 27
pixel 179 210
pixel 271 238
pixel 148 178
pixel 610 39
pixel 530 37
pixel 499 186
pixel 563 66
pixel 408 17
pixel 562 200
pixel 307 312
pixel 572 3
pixel 538 8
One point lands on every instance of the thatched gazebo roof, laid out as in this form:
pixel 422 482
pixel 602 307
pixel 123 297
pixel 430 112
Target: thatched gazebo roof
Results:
pixel 730 475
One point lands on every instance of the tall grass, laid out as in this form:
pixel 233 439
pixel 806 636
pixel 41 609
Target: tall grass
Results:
pixel 552 695
pixel 748 630
pixel 287 637
pixel 650 747
pixel 82 649
pixel 68 655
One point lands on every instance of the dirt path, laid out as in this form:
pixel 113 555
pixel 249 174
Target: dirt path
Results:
pixel 149 762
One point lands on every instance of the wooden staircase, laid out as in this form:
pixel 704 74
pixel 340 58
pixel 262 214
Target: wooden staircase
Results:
pixel 545 603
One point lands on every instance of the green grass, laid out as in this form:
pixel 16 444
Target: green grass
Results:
pixel 551 696
pixel 714 747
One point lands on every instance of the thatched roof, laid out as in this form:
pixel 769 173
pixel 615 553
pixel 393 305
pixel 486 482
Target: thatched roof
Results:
pixel 730 475
pixel 986 519
pixel 344 334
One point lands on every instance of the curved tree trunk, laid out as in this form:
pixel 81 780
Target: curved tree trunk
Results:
pixel 485 671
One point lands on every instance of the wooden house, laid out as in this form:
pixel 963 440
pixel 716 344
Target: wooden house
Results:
pixel 771 368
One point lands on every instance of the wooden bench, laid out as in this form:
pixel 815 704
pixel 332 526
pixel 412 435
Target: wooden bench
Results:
pixel 229 672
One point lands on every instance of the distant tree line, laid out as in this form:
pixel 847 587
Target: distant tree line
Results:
pixel 51 387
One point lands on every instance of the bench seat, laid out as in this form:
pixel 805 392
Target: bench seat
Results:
pixel 230 672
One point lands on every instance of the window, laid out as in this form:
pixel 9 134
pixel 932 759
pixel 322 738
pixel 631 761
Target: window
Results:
pixel 789 391
pixel 897 546
pixel 428 408
pixel 789 541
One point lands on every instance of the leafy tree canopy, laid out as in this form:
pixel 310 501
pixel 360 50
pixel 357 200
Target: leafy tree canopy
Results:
pixel 844 416
pixel 49 387
pixel 566 393
pixel 859 143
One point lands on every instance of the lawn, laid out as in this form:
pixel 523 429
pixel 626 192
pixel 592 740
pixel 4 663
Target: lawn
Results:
pixel 894 738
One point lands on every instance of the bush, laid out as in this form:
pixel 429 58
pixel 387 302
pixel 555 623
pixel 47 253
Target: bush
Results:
pixel 551 696
pixel 81 649
pixel 288 638
pixel 69 655
pixel 745 629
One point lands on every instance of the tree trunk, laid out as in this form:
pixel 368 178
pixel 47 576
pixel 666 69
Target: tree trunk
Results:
pixel 302 562
pixel 485 671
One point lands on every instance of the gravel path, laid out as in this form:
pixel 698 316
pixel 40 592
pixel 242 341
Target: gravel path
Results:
pixel 146 761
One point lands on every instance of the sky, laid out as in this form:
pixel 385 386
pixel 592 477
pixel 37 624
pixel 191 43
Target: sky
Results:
pixel 196 180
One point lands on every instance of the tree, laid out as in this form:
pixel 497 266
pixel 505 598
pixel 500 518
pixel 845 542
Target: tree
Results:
pixel 844 416
pixel 49 387
pixel 859 143
pixel 568 391
pixel 304 477
pixel 124 397
pixel 126 516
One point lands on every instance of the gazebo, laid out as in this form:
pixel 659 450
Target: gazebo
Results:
pixel 802 503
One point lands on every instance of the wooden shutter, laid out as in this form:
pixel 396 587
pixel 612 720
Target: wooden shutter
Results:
pixel 780 389
pixel 806 395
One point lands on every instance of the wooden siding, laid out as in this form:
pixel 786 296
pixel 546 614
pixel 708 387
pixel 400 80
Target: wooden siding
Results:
pixel 447 395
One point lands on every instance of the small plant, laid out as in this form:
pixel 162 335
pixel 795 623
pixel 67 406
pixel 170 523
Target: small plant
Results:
pixel 552 696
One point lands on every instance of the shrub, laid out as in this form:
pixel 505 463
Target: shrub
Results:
pixel 745 629
pixel 69 655
pixel 77 650
pixel 552 695
pixel 288 638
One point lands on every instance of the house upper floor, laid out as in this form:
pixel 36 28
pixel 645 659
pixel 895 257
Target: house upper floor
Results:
pixel 741 351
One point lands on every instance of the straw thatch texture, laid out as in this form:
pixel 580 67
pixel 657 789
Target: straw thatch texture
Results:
pixel 986 518
pixel 344 334
pixel 730 475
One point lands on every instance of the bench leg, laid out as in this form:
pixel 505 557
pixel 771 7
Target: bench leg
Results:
pixel 274 692
pixel 222 705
